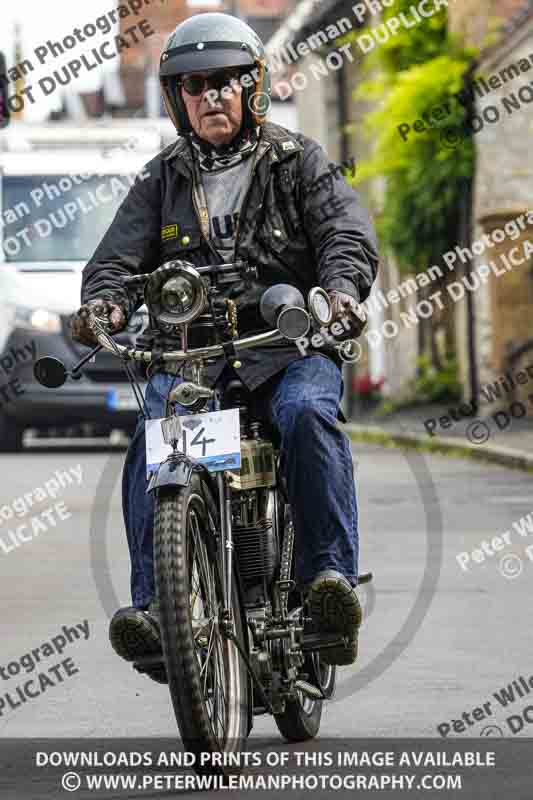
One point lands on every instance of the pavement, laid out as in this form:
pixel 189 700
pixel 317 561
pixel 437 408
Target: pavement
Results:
pixel 494 437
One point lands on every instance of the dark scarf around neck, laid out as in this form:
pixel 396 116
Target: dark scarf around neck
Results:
pixel 212 158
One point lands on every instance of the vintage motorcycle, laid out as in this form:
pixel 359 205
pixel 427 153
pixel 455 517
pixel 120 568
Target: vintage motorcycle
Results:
pixel 236 638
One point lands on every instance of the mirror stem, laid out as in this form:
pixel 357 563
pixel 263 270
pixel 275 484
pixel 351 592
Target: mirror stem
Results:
pixel 84 360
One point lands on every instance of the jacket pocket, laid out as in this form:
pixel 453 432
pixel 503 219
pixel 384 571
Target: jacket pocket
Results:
pixel 179 242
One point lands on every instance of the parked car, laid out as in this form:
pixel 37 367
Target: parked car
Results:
pixel 54 208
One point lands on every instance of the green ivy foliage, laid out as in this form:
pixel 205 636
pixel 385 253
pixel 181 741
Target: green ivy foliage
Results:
pixel 434 386
pixel 411 46
pixel 419 70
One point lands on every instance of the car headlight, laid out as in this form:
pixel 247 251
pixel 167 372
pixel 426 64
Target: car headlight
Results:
pixel 37 319
pixel 175 293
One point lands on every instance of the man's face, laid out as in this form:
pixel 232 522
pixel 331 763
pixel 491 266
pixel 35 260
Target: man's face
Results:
pixel 215 114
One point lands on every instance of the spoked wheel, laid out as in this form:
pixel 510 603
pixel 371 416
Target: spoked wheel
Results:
pixel 207 678
pixel 301 719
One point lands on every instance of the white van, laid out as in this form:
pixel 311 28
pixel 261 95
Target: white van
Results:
pixel 59 190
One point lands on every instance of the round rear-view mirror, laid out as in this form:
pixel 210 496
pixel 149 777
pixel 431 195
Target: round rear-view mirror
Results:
pixel 293 322
pixel 50 372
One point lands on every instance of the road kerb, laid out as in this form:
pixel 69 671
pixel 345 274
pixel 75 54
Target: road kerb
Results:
pixel 504 456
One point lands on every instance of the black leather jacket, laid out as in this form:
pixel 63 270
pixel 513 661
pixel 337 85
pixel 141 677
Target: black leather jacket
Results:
pixel 294 228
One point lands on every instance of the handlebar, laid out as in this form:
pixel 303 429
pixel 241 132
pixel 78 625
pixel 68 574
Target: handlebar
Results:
pixel 226 273
pixel 211 351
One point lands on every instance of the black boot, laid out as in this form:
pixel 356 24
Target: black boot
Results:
pixel 134 633
pixel 334 608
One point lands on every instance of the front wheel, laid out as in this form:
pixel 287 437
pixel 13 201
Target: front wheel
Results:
pixel 207 678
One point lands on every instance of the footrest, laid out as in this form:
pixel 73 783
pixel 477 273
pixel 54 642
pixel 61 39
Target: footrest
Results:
pixel 309 690
pixel 321 641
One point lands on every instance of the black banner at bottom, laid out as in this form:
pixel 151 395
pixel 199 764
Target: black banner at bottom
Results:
pixel 147 768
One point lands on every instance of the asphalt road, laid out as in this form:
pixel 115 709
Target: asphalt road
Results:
pixel 438 641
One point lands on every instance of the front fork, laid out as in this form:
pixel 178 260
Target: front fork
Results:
pixel 226 529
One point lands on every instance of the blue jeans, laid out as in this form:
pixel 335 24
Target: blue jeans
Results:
pixel 316 462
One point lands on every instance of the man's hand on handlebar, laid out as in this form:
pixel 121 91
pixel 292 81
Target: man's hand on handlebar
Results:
pixel 111 316
pixel 344 305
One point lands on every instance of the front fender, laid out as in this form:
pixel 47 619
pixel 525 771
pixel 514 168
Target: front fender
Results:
pixel 172 472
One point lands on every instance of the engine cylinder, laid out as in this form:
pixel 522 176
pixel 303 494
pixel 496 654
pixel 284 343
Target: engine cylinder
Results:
pixel 256 549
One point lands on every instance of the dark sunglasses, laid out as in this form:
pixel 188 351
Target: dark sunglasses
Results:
pixel 195 84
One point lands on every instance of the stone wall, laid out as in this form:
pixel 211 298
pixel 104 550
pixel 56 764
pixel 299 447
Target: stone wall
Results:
pixel 474 19
pixel 503 192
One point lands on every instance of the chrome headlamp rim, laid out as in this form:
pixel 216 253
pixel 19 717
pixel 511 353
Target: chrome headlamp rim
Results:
pixel 154 289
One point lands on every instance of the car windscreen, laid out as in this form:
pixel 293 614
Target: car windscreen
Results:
pixel 57 217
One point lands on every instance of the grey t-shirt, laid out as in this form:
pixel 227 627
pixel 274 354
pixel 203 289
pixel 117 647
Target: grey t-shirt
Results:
pixel 225 191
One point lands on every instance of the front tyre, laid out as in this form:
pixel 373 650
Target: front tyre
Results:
pixel 207 679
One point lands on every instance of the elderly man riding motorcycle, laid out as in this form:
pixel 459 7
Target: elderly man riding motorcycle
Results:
pixel 234 186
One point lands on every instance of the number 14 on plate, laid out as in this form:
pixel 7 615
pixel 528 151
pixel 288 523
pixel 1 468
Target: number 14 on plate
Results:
pixel 211 438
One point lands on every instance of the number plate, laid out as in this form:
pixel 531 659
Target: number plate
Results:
pixel 213 439
pixel 121 398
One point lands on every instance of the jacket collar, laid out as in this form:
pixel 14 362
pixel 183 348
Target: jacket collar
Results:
pixel 278 141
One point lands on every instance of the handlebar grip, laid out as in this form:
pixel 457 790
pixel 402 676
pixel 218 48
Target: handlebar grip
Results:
pixel 102 318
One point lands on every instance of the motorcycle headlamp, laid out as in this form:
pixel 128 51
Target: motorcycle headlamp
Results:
pixel 175 293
